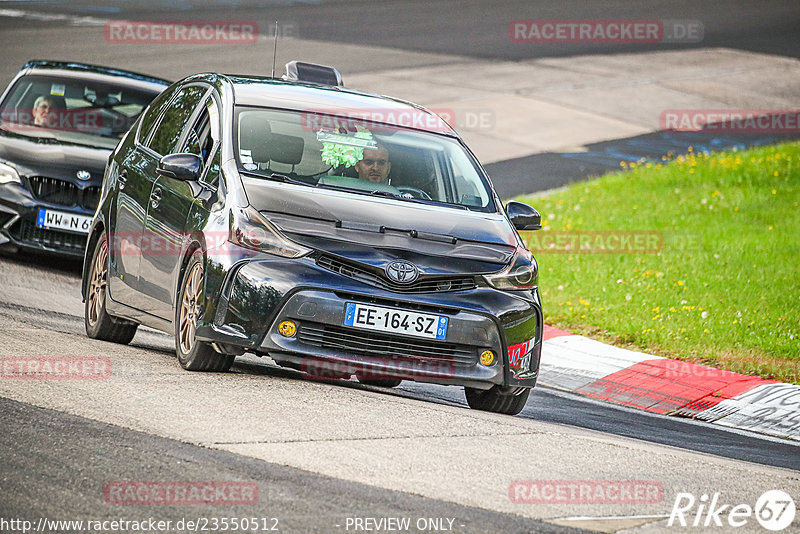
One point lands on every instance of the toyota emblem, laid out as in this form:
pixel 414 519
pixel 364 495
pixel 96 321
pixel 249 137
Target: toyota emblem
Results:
pixel 402 272
pixel 83 175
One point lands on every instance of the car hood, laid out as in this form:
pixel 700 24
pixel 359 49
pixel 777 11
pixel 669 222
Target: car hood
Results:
pixel 375 231
pixel 47 156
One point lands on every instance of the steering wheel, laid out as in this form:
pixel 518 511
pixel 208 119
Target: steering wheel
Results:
pixel 413 191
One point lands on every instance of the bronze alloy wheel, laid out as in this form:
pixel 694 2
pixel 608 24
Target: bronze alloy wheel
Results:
pixel 98 322
pixel 97 285
pixel 193 354
pixel 190 307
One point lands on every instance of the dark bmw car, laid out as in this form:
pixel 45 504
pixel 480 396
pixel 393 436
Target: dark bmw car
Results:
pixel 58 124
pixel 338 232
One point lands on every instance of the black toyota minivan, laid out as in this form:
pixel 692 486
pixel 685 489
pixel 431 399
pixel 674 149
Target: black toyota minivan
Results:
pixel 338 232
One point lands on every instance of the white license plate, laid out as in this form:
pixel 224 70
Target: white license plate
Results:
pixel 395 321
pixel 61 220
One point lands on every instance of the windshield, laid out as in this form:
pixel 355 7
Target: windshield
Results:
pixel 71 108
pixel 359 156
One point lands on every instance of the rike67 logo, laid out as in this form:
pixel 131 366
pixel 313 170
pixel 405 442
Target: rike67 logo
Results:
pixel 774 510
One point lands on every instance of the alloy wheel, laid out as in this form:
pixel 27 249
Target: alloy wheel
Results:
pixel 190 308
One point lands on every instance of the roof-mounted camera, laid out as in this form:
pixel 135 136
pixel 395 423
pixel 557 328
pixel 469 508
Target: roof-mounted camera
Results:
pixel 300 71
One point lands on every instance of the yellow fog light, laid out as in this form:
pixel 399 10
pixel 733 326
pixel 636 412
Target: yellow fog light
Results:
pixel 287 328
pixel 487 357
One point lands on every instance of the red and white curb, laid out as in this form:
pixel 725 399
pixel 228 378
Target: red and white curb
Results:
pixel 671 387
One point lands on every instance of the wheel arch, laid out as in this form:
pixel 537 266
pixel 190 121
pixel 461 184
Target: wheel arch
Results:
pixel 196 242
pixel 91 242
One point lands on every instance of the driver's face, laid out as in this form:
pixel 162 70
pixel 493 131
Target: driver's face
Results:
pixel 41 112
pixel 375 165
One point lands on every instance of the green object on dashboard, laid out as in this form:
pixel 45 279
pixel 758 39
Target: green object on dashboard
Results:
pixel 343 149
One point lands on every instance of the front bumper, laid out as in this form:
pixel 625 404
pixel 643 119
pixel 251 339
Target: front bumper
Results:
pixel 19 211
pixel 256 295
pixel 323 343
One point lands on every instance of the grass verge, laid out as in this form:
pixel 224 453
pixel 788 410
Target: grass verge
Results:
pixel 697 259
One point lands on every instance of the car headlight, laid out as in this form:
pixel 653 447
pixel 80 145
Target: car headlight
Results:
pixel 9 175
pixel 250 229
pixel 523 273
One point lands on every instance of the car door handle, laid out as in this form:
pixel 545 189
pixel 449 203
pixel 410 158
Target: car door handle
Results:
pixel 155 197
pixel 123 178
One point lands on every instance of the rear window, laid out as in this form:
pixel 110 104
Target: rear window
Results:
pixel 359 156
pixel 38 104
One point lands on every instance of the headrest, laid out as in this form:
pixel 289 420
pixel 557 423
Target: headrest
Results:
pixel 254 133
pixel 286 149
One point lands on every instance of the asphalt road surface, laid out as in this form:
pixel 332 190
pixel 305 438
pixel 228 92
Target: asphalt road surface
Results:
pixel 477 28
pixel 47 473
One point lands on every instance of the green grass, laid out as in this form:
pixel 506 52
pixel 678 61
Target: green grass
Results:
pixel 725 288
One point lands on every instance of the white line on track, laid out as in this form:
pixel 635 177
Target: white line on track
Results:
pixel 53 17
pixel 613 517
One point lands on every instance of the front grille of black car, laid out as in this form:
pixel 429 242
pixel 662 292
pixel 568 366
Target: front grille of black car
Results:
pixel 439 284
pixel 63 193
pixel 27 232
pixel 91 198
pixel 375 344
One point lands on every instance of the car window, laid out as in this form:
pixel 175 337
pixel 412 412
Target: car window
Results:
pixel 360 156
pixel 214 168
pixel 38 103
pixel 201 137
pixel 152 113
pixel 169 129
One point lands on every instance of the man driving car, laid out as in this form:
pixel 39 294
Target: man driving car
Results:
pixel 41 110
pixel 374 165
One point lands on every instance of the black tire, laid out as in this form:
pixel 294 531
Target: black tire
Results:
pixel 194 355
pixel 380 382
pixel 98 322
pixel 496 400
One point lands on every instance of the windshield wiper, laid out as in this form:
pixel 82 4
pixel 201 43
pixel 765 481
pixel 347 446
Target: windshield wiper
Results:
pixel 278 178
pixel 389 194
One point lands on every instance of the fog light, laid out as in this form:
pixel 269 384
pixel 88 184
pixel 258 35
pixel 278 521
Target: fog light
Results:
pixel 287 328
pixel 487 357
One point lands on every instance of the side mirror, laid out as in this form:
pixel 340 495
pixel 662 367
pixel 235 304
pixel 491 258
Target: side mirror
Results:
pixel 523 217
pixel 184 167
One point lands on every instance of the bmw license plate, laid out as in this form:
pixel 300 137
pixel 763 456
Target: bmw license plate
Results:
pixel 61 220
pixel 395 321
